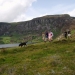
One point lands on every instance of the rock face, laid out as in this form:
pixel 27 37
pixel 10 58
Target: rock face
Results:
pixel 55 23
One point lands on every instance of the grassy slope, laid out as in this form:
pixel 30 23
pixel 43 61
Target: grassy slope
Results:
pixel 50 58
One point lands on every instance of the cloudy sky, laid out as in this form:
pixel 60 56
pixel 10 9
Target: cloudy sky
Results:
pixel 23 10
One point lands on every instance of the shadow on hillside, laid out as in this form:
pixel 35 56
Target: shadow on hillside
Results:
pixel 64 41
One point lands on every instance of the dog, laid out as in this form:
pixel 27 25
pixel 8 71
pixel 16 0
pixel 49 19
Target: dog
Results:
pixel 23 44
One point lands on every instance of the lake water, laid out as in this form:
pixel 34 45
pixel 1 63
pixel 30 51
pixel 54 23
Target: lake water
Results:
pixel 14 45
pixel 8 45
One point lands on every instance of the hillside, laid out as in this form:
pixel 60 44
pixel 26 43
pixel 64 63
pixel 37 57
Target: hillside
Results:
pixel 50 58
pixel 27 30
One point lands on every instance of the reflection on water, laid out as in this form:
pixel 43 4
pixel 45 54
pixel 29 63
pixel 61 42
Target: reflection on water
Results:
pixel 8 45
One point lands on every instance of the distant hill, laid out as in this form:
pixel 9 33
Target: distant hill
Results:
pixel 19 30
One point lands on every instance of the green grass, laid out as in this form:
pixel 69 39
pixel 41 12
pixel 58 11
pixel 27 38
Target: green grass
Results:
pixel 50 58
pixel 5 39
pixel 15 38
pixel 8 39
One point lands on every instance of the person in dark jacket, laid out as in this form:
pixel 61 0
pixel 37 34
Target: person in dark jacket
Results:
pixel 46 36
pixel 65 34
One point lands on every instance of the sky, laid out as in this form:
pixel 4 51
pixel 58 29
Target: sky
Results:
pixel 23 10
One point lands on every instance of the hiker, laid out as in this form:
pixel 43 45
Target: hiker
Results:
pixel 46 36
pixel 50 35
pixel 69 33
pixel 43 36
pixel 65 34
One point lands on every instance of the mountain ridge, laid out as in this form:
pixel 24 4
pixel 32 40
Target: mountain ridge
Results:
pixel 55 23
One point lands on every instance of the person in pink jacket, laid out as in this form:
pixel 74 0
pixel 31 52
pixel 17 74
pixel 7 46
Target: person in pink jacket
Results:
pixel 50 35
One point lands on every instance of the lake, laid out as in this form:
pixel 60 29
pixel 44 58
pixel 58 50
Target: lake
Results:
pixel 8 45
pixel 14 45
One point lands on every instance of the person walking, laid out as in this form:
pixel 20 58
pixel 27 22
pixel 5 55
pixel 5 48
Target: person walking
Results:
pixel 43 36
pixel 65 34
pixel 46 36
pixel 69 34
pixel 50 36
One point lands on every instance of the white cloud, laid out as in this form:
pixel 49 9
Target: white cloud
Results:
pixel 14 10
pixel 72 13
pixel 23 17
